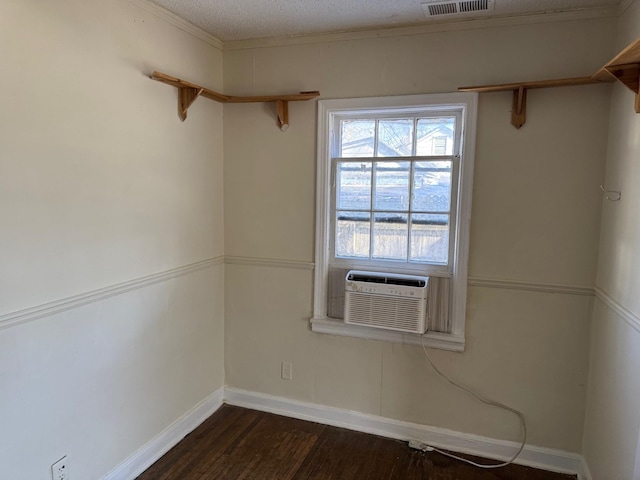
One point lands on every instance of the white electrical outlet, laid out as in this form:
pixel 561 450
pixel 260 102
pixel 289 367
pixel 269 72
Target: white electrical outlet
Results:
pixel 287 370
pixel 59 470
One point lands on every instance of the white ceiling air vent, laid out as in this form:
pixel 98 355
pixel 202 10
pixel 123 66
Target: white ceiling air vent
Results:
pixel 439 8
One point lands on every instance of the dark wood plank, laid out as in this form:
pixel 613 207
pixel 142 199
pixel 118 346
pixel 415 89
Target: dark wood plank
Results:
pixel 241 444
pixel 274 449
pixel 204 446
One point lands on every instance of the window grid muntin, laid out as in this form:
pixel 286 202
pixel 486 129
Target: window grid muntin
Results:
pixel 417 114
pixel 442 268
pixel 335 148
pixel 410 213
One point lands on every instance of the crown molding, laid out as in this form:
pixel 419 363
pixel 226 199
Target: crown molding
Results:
pixel 441 26
pixel 624 5
pixel 176 21
pixel 396 31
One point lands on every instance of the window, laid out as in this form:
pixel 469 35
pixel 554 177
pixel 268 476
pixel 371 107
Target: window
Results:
pixel 392 201
pixel 394 195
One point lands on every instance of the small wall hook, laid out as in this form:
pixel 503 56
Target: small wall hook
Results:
pixel 611 195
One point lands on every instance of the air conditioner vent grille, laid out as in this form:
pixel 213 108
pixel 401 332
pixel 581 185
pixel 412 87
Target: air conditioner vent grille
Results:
pixel 394 302
pixel 385 312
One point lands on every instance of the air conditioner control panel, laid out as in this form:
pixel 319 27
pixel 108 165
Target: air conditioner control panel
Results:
pixel 377 289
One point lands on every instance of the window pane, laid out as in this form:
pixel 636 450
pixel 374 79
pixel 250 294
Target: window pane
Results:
pixel 432 186
pixel 353 233
pixel 392 186
pixel 430 238
pixel 357 138
pixel 435 136
pixel 395 138
pixel 390 235
pixel 353 187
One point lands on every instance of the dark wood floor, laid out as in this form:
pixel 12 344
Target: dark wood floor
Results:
pixel 236 443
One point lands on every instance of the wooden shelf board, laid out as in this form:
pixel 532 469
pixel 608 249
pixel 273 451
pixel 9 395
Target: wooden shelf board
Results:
pixel 296 97
pixel 179 83
pixel 219 97
pixel 189 92
pixel 624 67
pixel 562 82
pixel 631 54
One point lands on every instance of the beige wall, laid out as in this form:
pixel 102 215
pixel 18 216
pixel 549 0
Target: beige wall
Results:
pixel 100 183
pixel 535 219
pixel 612 427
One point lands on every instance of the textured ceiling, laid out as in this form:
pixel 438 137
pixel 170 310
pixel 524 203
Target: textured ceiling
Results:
pixel 231 20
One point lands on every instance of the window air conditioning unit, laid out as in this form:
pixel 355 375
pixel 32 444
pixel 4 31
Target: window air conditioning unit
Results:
pixel 386 300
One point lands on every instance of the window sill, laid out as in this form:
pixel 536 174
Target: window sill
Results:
pixel 334 326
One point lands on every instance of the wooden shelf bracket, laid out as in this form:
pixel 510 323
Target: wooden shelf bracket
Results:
pixel 629 75
pixel 188 93
pixel 519 107
pixel 186 97
pixel 624 67
pixel 282 110
pixel 519 104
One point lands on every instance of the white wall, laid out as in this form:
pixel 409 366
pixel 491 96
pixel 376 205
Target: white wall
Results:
pixel 535 219
pixel 612 426
pixel 100 184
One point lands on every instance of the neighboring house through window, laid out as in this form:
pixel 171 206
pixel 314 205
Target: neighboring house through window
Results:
pixel 394 195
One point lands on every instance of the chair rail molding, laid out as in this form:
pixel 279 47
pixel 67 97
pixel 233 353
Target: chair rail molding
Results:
pixel 627 315
pixel 58 306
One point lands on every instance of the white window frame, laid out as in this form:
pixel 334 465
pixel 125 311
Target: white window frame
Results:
pixel 328 110
pixel 417 268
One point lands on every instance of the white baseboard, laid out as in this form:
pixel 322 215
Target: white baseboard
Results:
pixel 168 438
pixel 533 456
